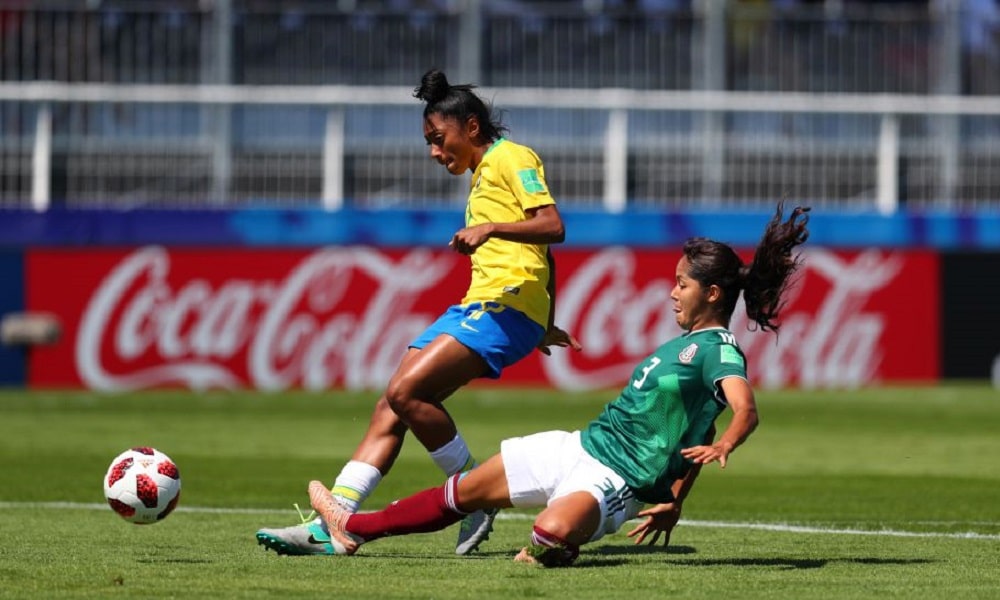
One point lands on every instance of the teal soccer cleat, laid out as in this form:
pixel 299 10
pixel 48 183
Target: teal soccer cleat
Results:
pixel 299 540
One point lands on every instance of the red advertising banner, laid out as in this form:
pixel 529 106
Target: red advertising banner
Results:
pixel 342 317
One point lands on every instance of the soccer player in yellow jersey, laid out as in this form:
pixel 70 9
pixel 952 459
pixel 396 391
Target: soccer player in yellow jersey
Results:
pixel 510 220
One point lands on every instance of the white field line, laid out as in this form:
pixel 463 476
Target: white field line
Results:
pixel 508 516
pixel 782 527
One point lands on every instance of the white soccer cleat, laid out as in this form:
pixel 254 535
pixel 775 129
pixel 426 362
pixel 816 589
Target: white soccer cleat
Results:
pixel 300 540
pixel 474 530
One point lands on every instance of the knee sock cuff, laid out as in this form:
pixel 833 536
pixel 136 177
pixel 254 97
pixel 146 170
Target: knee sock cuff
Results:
pixel 551 550
pixel 453 457
pixel 540 537
pixel 451 494
pixel 355 482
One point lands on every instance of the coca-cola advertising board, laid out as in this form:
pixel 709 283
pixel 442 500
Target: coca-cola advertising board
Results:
pixel 341 317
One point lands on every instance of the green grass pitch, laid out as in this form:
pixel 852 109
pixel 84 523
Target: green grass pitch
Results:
pixel 889 493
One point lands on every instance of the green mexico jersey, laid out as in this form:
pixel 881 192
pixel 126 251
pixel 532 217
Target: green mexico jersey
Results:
pixel 669 403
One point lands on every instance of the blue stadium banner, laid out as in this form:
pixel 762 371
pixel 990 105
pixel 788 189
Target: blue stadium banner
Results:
pixel 392 228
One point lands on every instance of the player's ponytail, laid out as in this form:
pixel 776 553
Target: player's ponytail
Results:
pixel 458 102
pixel 764 280
pixel 767 277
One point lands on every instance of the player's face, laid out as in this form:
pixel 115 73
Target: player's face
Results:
pixel 452 143
pixel 690 304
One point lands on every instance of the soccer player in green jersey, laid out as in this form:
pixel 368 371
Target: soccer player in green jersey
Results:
pixel 647 445
pixel 507 312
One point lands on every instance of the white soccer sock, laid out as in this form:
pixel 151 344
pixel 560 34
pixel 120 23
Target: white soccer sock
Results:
pixel 356 482
pixel 453 457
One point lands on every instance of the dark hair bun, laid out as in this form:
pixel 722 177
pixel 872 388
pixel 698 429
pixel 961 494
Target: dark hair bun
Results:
pixel 433 87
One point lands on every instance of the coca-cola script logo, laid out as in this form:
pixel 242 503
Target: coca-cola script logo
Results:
pixel 621 314
pixel 342 317
pixel 295 331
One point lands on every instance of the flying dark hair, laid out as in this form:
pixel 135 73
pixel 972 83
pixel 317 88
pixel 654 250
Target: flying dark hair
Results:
pixel 458 102
pixel 765 279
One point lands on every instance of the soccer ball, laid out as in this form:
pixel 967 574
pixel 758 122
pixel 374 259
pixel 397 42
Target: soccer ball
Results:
pixel 142 485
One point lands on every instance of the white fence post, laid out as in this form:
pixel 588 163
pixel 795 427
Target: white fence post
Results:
pixel 712 70
pixel 333 159
pixel 948 81
pixel 222 151
pixel 470 41
pixel 887 197
pixel 616 161
pixel 41 159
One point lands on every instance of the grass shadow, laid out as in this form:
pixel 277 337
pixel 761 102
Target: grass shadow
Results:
pixel 676 555
pixel 633 549
pixel 612 556
pixel 796 563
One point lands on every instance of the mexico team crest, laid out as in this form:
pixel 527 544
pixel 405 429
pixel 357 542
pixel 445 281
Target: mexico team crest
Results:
pixel 687 354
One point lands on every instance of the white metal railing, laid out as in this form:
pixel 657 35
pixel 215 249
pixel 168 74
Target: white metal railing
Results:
pixel 617 103
pixel 868 47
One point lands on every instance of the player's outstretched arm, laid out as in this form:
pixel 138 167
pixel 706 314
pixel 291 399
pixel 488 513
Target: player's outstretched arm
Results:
pixel 659 520
pixel 555 336
pixel 662 518
pixel 740 397
pixel 544 225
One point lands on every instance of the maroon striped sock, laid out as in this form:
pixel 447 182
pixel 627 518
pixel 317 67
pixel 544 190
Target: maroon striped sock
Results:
pixel 422 512
pixel 551 550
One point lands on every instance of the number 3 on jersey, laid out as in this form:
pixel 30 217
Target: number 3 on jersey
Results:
pixel 653 361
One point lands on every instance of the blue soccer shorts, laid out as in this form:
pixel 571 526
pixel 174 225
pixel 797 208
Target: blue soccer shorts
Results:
pixel 499 334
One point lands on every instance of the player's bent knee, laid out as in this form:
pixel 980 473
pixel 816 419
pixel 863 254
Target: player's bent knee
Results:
pixel 385 420
pixel 383 410
pixel 401 399
pixel 573 518
pixel 561 529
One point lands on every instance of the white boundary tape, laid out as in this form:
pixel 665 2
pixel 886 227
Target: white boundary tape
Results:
pixel 776 527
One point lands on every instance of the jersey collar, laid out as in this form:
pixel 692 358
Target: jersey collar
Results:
pixel 715 328
pixel 494 145
pixel 479 167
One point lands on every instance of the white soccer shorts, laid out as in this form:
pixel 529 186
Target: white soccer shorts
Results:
pixel 549 465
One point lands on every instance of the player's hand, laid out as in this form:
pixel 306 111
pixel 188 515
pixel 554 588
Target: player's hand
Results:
pixel 557 337
pixel 660 520
pixel 703 455
pixel 466 240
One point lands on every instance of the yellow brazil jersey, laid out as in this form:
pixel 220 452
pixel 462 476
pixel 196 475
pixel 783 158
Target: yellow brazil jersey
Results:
pixel 509 181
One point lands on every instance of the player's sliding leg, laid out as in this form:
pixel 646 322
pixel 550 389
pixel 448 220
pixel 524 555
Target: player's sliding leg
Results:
pixel 430 510
pixel 426 511
pixel 383 440
pixel 359 478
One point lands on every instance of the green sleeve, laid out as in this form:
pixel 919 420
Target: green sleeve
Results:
pixel 721 361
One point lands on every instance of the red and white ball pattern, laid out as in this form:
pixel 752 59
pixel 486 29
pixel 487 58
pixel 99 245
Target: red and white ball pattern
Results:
pixel 142 485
